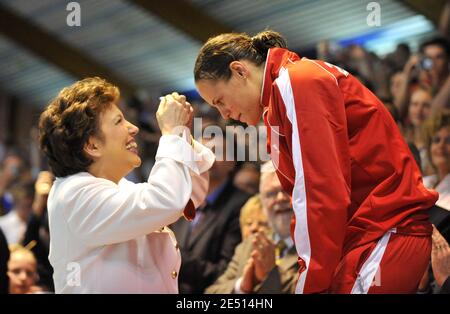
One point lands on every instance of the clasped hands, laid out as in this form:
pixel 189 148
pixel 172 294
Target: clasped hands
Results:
pixel 174 114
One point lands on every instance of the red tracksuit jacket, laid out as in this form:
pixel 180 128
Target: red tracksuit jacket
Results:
pixel 342 158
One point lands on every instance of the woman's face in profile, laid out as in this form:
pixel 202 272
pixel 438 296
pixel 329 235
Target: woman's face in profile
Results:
pixel 237 98
pixel 117 150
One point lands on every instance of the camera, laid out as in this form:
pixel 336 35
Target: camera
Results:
pixel 426 63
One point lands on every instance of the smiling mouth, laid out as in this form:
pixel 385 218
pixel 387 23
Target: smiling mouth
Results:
pixel 283 210
pixel 132 147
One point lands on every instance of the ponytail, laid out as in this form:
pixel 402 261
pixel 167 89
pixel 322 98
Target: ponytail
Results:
pixel 267 39
pixel 218 52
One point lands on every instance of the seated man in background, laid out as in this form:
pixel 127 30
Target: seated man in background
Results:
pixel 263 263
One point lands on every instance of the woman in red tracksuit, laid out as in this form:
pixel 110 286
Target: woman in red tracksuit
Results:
pixel 361 210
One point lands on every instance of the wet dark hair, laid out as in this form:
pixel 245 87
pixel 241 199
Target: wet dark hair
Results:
pixel 218 52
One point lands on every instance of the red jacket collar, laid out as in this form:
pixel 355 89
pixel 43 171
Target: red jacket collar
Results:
pixel 276 59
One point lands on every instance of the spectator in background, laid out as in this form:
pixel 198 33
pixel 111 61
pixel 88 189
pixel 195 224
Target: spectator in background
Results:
pixel 22 271
pixel 418 111
pixel 14 223
pixel 37 230
pixel 252 217
pixel 359 61
pixel 13 170
pixel 207 243
pixel 437 137
pixel 437 58
pixel 327 51
pixel 399 57
pixel 4 257
pixel 435 63
pixel 396 82
pixel 396 116
pixel 264 263
pixel 247 178
pixel 389 104
pixel 430 69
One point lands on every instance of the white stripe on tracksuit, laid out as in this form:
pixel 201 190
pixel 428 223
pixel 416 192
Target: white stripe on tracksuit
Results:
pixel 301 235
pixel 370 267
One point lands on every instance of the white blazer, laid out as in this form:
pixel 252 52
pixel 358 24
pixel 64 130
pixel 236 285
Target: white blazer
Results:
pixel 109 238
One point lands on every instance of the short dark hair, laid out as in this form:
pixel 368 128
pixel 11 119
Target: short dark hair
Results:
pixel 437 41
pixel 70 119
pixel 218 52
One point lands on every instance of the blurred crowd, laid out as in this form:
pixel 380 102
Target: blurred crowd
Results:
pixel 239 241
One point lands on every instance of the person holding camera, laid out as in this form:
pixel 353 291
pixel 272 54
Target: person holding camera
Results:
pixel 429 70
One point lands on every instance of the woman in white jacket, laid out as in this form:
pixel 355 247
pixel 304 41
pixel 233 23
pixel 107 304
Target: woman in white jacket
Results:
pixel 109 235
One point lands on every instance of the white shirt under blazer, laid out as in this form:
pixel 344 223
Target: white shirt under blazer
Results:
pixel 111 238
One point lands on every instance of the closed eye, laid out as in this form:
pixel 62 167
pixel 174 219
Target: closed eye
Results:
pixel 218 103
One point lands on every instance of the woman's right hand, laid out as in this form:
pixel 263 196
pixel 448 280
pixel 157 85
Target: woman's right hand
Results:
pixel 173 113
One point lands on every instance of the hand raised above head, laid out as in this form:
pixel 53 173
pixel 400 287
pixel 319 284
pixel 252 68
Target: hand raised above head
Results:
pixel 44 182
pixel 173 113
